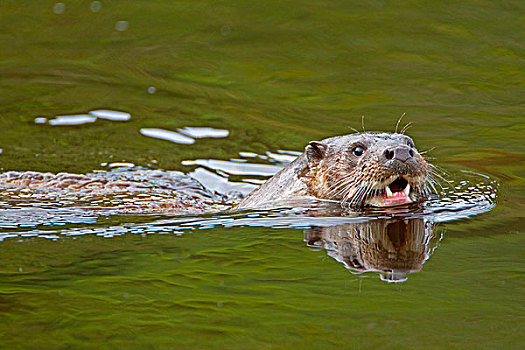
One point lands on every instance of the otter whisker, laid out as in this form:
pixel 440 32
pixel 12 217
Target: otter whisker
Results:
pixel 347 199
pixel 340 181
pixel 359 200
pixel 351 199
pixel 422 192
pixel 340 191
pixel 434 176
pixel 363 122
pixel 343 199
pixel 359 195
pixel 342 186
pixel 438 168
pixel 367 193
pixel 440 177
pixel 428 150
pixel 399 121
pixel 347 194
pixel 405 128
pixel 433 173
pixel 431 182
pixel 334 188
pixel 354 129
pixel 337 188
pixel 427 191
pixel 370 191
pixel 346 191
pixel 343 193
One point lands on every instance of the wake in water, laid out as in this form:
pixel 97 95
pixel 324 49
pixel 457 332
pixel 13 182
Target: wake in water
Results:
pixel 127 190
pixel 390 241
pixel 26 196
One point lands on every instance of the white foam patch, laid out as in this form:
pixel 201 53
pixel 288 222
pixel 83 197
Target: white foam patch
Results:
pixel 248 154
pixel 293 153
pixel 120 165
pixel 219 184
pixel 73 119
pixel 200 133
pixel 40 120
pixel 234 168
pixel 115 116
pixel 167 135
pixel 281 158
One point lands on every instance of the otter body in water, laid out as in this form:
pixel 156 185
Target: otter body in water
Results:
pixel 362 169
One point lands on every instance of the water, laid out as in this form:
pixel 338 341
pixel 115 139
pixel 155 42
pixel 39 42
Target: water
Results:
pixel 115 267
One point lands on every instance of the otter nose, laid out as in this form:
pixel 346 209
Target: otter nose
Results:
pixel 401 153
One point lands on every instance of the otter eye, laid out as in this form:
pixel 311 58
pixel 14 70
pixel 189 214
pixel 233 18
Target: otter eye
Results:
pixel 358 151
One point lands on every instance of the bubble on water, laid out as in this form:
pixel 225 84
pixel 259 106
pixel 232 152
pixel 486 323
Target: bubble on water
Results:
pixel 95 6
pixel 40 120
pixel 1 150
pixel 226 30
pixel 152 90
pixel 59 8
pixel 121 26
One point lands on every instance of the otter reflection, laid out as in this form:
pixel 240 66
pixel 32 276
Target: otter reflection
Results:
pixel 393 247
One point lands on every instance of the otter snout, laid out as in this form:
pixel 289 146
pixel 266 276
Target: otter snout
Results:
pixel 401 153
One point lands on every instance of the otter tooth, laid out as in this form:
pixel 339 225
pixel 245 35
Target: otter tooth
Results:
pixel 407 190
pixel 388 192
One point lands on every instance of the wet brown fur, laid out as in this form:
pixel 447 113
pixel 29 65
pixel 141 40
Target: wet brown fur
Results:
pixel 330 170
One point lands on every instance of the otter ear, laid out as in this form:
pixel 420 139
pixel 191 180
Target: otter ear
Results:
pixel 315 151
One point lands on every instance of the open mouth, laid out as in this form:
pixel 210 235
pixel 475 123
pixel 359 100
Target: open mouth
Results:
pixel 397 192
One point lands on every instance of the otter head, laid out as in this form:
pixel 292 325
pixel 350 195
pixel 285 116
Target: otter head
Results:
pixel 374 169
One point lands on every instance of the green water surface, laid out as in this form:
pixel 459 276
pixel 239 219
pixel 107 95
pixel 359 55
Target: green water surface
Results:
pixel 277 74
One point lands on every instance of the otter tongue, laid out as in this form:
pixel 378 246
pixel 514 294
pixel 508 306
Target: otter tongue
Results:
pixel 393 198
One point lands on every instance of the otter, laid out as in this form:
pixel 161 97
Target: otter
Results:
pixel 357 170
pixel 363 169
